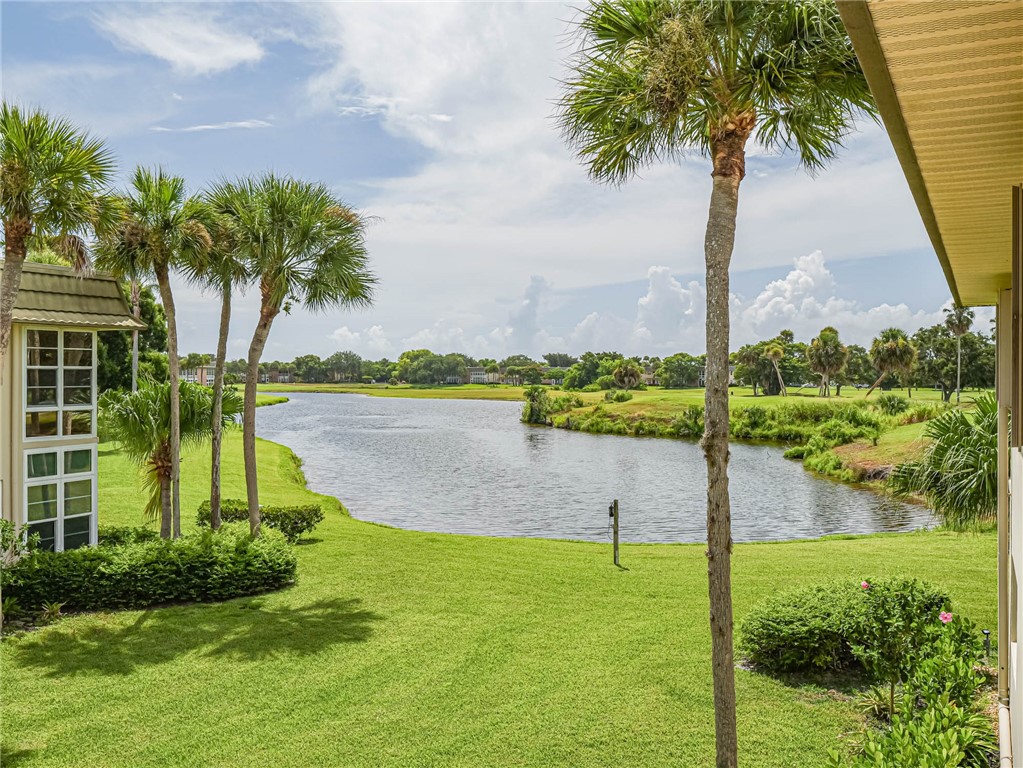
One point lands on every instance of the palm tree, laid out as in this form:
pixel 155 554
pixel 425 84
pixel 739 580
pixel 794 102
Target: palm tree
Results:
pixel 141 423
pixel 220 270
pixel 161 229
pixel 827 356
pixel 303 244
pixel 959 320
pixel 627 374
pixel 658 80
pixel 749 356
pixel 958 473
pixel 53 180
pixel 892 352
pixel 774 353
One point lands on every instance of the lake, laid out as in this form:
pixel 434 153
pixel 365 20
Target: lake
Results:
pixel 470 466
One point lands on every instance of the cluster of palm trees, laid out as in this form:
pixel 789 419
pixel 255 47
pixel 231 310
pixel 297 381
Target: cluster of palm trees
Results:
pixel 294 240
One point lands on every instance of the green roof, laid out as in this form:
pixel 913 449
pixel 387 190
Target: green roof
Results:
pixel 53 295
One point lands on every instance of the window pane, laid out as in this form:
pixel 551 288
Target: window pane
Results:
pixel 78 422
pixel 77 395
pixel 76 531
pixel 41 424
pixel 78 357
pixel 42 377
pixel 36 396
pixel 44 464
pixel 77 340
pixel 76 488
pixel 42 357
pixel 42 502
pixel 78 377
pixel 38 494
pixel 47 534
pixel 76 461
pixel 39 338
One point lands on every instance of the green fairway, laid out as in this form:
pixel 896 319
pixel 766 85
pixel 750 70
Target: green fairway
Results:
pixel 398 648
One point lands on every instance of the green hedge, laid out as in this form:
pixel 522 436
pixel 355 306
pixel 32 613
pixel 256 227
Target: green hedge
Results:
pixel 292 521
pixel 822 627
pixel 201 567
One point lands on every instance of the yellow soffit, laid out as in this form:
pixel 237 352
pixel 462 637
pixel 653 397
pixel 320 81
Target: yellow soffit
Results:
pixel 948 79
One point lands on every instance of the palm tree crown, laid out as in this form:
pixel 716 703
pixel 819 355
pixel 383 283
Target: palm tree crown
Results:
pixel 827 356
pixel 654 79
pixel 959 320
pixel 891 352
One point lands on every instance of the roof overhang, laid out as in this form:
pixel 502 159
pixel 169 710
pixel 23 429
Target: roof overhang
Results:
pixel 55 295
pixel 947 76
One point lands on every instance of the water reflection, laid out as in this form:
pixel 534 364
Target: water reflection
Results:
pixel 468 466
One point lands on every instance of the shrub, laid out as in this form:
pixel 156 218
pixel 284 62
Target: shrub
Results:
pixel 830 626
pixel 118 535
pixel 891 404
pixel 605 382
pixel 617 396
pixel 689 423
pixel 537 408
pixel 200 567
pixel 803 629
pixel 292 521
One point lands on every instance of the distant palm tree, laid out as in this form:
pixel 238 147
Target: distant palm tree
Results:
pixel 302 244
pixel 140 422
pixel 627 374
pixel 220 270
pixel 892 352
pixel 750 357
pixel 959 320
pixel 827 356
pixel 659 80
pixel 774 353
pixel 160 229
pixel 53 191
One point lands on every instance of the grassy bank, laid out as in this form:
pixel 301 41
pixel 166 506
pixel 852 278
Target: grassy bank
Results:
pixel 398 648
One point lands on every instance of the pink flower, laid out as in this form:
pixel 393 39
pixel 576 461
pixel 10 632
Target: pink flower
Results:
pixel 945 617
pixel 865 585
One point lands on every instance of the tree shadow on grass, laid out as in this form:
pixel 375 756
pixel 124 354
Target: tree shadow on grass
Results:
pixel 12 756
pixel 242 629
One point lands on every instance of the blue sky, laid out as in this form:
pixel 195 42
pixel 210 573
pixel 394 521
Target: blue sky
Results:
pixel 436 118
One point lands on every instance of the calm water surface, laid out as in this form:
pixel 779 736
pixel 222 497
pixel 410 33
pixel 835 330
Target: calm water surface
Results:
pixel 469 466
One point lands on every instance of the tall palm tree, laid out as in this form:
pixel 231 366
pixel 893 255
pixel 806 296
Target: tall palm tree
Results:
pixel 892 352
pixel 774 353
pixel 627 374
pixel 827 356
pixel 658 80
pixel 140 422
pixel 161 228
pixel 220 270
pixel 53 190
pixel 959 320
pixel 302 244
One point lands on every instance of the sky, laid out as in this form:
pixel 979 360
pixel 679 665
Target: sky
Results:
pixel 488 237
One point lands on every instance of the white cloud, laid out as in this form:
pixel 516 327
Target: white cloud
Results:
pixel 190 39
pixel 228 125
pixel 345 338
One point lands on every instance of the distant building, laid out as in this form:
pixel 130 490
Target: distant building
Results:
pixel 702 380
pixel 478 376
pixel 203 375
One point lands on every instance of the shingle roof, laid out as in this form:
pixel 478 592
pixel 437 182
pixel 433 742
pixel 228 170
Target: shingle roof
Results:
pixel 52 295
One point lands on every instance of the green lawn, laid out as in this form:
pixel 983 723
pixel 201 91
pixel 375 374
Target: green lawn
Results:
pixel 398 648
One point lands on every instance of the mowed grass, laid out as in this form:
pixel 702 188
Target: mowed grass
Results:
pixel 398 648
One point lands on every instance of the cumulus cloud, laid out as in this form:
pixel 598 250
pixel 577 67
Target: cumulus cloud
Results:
pixel 669 311
pixel 192 41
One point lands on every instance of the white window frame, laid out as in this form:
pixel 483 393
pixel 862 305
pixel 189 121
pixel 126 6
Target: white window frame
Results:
pixel 60 407
pixel 60 479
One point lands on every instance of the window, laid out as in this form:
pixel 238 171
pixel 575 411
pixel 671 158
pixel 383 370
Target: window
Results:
pixel 60 383
pixel 60 496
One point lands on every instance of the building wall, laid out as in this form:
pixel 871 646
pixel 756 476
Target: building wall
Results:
pixel 12 431
pixel 1015 601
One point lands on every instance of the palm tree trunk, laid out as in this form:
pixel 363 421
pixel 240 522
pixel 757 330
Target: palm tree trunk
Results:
pixel 16 234
pixel 165 507
pixel 267 313
pixel 218 406
pixel 167 297
pixel 781 381
pixel 729 160
pixel 959 366
pixel 136 310
pixel 876 383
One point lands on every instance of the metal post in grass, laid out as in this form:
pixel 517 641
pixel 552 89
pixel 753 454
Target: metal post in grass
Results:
pixel 612 510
